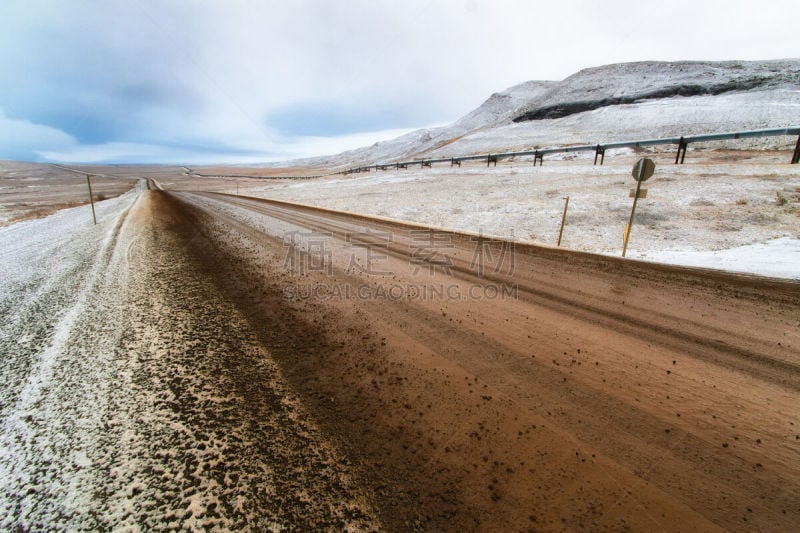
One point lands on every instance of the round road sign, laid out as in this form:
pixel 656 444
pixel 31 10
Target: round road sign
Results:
pixel 643 169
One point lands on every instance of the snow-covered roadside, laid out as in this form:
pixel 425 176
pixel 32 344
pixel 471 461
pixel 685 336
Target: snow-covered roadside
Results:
pixel 62 282
pixel 778 258
pixel 694 212
pixel 47 267
pixel 135 397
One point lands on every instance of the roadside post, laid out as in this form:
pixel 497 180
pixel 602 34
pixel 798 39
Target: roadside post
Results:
pixel 91 200
pixel 563 219
pixel 642 171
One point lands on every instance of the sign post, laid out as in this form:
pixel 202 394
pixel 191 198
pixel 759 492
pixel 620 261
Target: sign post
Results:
pixel 91 200
pixel 563 219
pixel 642 171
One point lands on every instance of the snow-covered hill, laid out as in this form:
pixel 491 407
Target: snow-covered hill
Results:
pixel 722 210
pixel 499 109
pixel 615 102
pixel 629 83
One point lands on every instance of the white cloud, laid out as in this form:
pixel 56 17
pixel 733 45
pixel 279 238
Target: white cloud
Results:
pixel 120 76
pixel 310 146
pixel 105 152
pixel 289 148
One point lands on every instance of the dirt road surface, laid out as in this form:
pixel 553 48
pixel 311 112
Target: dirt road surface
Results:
pixel 480 385
pixel 136 398
pixel 286 366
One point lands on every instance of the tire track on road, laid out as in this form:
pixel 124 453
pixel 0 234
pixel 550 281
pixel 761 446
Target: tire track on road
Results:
pixel 385 377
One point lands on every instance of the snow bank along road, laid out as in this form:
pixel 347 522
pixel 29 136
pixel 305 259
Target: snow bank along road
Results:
pixel 206 359
pixel 136 397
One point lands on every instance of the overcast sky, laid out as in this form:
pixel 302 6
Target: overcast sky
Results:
pixel 242 81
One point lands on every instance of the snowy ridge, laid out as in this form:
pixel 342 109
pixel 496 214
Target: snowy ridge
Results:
pixel 610 103
pixel 629 83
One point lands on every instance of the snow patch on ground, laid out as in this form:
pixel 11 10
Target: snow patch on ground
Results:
pixel 778 258
pixel 58 274
pixel 715 202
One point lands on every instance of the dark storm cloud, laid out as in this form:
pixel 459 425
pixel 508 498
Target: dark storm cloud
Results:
pixel 86 73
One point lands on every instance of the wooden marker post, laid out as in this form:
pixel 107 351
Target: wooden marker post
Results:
pixel 91 200
pixel 642 171
pixel 563 219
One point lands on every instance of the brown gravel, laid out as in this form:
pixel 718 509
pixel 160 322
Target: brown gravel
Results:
pixel 599 394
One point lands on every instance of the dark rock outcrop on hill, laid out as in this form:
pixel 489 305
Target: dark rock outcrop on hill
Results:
pixel 630 83
pixel 623 101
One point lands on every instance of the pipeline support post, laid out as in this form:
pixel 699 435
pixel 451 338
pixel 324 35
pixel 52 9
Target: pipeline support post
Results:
pixel 680 155
pixel 796 155
pixel 91 198
pixel 599 151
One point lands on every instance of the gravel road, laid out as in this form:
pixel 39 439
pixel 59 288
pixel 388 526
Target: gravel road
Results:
pixel 137 398
pixel 207 361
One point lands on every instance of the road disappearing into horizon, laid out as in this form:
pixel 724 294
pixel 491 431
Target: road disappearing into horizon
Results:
pixel 277 365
